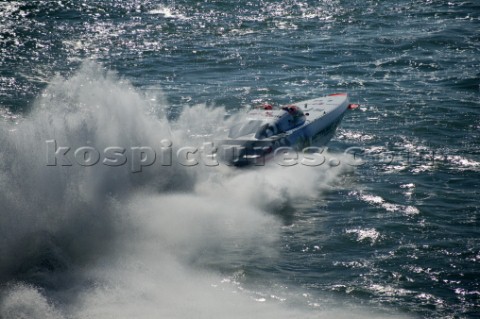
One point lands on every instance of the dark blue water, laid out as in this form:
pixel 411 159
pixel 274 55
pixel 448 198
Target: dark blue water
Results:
pixel 396 236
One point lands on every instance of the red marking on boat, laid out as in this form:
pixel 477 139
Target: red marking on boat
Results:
pixel 338 94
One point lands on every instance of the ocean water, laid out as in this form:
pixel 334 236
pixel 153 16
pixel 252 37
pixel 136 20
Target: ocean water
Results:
pixel 394 234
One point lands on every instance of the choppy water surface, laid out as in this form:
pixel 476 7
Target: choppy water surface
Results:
pixel 395 237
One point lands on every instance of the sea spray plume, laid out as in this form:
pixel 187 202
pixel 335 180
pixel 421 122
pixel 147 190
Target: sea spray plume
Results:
pixel 70 206
pixel 101 242
pixel 59 223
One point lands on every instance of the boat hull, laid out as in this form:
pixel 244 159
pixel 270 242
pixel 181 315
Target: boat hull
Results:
pixel 322 117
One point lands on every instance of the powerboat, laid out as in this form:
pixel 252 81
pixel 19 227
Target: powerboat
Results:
pixel 297 126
